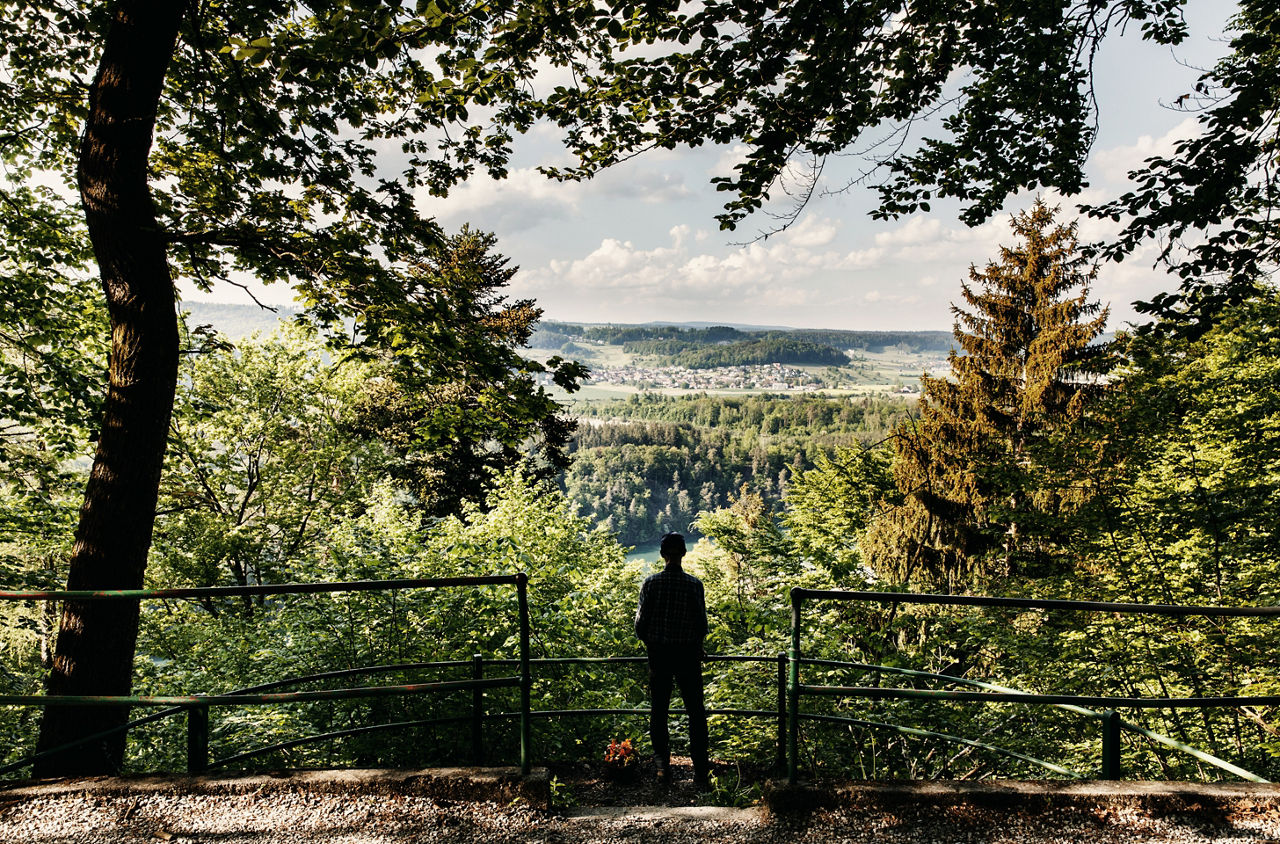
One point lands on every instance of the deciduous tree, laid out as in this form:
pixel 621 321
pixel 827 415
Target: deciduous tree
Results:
pixel 829 507
pixel 262 463
pixel 1213 205
pixel 222 138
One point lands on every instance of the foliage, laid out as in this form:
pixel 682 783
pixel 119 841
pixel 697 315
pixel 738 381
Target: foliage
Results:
pixel 222 139
pixel 455 399
pixel 805 418
pixel 289 141
pixel 651 464
pixel 1179 513
pixel 829 507
pixel 52 369
pixel 561 794
pixel 1194 454
pixel 1183 514
pixel 1211 205
pixel 733 790
pixel 581 603
pixel 263 464
pixel 981 471
pixel 800 81
pixel 747 567
pixel 785 350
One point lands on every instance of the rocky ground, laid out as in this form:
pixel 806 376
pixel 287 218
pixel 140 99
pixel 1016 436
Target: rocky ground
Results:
pixel 369 807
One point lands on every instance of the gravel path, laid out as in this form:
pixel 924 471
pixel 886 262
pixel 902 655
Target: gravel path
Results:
pixel 292 813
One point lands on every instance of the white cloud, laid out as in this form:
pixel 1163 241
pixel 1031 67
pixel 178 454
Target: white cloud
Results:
pixel 813 231
pixel 729 157
pixel 796 277
pixel 1113 165
pixel 648 185
pixel 524 199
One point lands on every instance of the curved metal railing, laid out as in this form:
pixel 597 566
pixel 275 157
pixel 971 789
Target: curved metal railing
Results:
pixel 1113 724
pixel 789 689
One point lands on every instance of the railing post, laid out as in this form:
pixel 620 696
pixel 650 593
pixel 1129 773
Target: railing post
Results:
pixel 477 711
pixel 781 762
pixel 526 677
pixel 793 689
pixel 1111 768
pixel 197 738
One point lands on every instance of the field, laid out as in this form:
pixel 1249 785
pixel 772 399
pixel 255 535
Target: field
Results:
pixel 620 374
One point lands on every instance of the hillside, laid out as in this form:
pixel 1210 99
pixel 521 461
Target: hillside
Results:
pixel 737 359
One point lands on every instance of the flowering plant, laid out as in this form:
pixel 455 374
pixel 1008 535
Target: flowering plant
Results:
pixel 620 753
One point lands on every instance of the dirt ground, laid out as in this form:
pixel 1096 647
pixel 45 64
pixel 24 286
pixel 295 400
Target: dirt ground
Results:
pixel 595 784
pixel 589 805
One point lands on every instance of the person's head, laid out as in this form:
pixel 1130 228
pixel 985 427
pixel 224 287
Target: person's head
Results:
pixel 672 548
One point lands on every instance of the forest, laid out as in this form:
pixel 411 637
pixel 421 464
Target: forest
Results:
pixel 650 464
pixel 675 345
pixel 397 426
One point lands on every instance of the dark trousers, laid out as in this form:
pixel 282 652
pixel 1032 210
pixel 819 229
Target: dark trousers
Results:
pixel 681 666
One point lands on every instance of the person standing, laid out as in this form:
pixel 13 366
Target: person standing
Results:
pixel 671 620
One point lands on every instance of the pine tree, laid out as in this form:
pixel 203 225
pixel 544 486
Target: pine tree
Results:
pixel 981 470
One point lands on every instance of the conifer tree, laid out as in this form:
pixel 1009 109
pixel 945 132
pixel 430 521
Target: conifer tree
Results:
pixel 981 470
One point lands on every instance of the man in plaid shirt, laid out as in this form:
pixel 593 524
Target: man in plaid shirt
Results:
pixel 672 622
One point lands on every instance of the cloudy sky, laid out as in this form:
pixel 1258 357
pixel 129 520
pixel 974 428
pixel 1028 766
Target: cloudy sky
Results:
pixel 640 242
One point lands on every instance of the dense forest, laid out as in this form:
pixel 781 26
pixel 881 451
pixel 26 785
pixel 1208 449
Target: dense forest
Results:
pixel 293 459
pixel 650 464
pixel 746 353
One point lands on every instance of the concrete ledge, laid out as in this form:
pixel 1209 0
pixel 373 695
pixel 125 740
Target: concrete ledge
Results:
pixel 499 785
pixel 648 813
pixel 1154 798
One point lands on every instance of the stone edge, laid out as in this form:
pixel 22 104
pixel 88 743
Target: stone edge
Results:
pixel 498 785
pixel 1155 798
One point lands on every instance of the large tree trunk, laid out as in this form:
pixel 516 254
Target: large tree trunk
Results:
pixel 94 653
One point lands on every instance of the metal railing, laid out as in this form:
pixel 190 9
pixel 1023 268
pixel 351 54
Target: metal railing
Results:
pixel 1112 723
pixel 789 689
pixel 197 706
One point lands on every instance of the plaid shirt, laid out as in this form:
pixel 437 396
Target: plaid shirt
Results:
pixel 672 609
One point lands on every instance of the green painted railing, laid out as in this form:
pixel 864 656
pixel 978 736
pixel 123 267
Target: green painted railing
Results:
pixel 197 706
pixel 790 690
pixel 1112 723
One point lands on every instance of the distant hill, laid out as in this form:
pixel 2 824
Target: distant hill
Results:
pixel 671 338
pixel 668 339
pixel 237 321
pixel 878 341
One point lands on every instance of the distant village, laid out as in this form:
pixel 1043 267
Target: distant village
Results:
pixel 771 376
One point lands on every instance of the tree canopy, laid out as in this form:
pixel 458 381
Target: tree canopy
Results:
pixel 455 398
pixel 219 139
pixel 1212 205
pixel 1011 83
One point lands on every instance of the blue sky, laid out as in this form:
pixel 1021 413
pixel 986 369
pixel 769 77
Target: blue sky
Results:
pixel 640 241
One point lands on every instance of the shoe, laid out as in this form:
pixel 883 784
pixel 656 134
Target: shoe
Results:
pixel 702 780
pixel 664 775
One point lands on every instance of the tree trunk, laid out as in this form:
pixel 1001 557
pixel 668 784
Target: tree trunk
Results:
pixel 94 652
